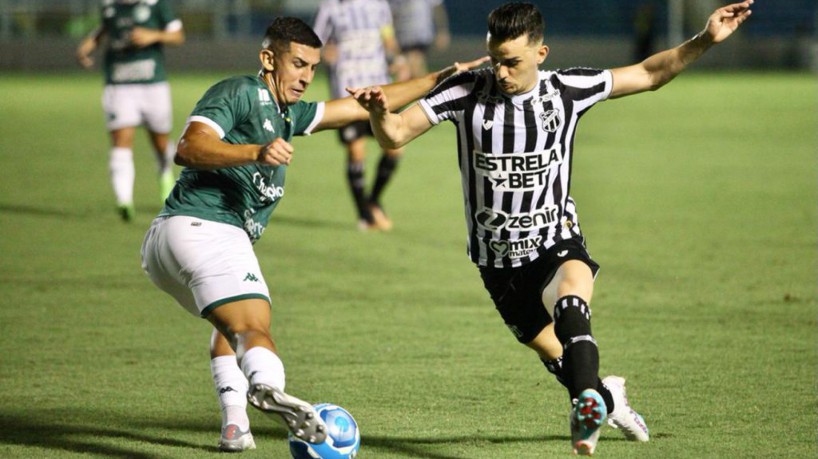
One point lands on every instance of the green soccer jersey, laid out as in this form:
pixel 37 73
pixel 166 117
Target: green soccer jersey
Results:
pixel 243 111
pixel 125 63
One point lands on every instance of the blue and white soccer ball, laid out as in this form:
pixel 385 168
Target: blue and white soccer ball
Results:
pixel 343 437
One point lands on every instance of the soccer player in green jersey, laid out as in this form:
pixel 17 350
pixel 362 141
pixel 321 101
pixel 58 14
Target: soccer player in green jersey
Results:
pixel 136 88
pixel 236 149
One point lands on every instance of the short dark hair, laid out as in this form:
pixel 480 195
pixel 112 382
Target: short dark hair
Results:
pixel 515 19
pixel 285 30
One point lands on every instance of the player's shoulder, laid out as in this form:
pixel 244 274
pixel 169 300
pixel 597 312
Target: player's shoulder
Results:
pixel 575 76
pixel 467 78
pixel 236 84
pixel 240 89
pixel 576 72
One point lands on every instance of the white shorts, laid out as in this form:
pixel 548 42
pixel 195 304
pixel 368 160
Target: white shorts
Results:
pixel 132 105
pixel 202 264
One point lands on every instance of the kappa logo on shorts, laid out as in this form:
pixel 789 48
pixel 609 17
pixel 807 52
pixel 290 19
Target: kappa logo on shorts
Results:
pixel 515 331
pixel 251 277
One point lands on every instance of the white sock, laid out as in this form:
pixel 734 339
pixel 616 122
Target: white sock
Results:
pixel 122 172
pixel 166 160
pixel 262 366
pixel 231 389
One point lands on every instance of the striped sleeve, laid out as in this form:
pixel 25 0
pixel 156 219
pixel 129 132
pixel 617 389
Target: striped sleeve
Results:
pixel 448 98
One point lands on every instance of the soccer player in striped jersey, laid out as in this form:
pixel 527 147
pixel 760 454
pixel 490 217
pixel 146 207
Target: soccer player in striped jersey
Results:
pixel 516 127
pixel 359 41
pixel 136 88
pixel 199 249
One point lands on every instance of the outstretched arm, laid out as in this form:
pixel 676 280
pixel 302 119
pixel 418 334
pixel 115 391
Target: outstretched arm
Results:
pixel 393 130
pixel 201 148
pixel 88 45
pixel 340 112
pixel 142 37
pixel 657 70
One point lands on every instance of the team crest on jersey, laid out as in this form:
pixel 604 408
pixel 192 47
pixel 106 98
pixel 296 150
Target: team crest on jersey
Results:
pixel 487 124
pixel 551 120
pixel 141 13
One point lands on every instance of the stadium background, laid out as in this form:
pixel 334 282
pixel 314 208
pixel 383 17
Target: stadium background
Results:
pixel 41 34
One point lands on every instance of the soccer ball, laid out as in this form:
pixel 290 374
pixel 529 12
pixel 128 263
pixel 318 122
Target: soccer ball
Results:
pixel 343 436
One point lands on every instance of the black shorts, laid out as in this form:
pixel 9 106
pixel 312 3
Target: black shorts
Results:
pixel 517 292
pixel 420 47
pixel 354 131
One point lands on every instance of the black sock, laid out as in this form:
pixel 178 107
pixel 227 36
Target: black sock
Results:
pixel 580 358
pixel 355 178
pixel 386 167
pixel 555 368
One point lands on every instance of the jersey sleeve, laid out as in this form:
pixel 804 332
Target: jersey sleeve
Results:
pixel 585 86
pixel 225 105
pixel 448 99
pixel 305 116
pixel 167 18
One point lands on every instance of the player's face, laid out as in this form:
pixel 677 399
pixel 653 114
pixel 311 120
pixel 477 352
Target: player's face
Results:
pixel 293 71
pixel 516 63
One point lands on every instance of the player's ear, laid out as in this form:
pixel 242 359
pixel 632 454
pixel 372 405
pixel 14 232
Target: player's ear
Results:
pixel 542 53
pixel 266 57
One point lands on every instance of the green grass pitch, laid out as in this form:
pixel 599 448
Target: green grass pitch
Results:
pixel 699 201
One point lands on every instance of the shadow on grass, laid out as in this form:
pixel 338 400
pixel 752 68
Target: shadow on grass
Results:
pixel 90 437
pixel 306 222
pixel 38 211
pixel 79 438
pixel 418 447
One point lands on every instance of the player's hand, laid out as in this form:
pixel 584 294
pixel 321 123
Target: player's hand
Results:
pixel 84 53
pixel 142 37
pixel 460 67
pixel 371 98
pixel 85 60
pixel 724 21
pixel 276 153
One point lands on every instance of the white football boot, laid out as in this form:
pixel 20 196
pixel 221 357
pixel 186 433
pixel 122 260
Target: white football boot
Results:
pixel 587 417
pixel 299 416
pixel 234 439
pixel 623 416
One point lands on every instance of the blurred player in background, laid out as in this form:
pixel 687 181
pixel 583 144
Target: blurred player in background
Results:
pixel 199 249
pixel 360 43
pixel 136 88
pixel 516 126
pixel 419 25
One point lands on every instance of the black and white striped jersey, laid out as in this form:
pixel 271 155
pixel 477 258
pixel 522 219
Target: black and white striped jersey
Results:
pixel 515 157
pixel 356 27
